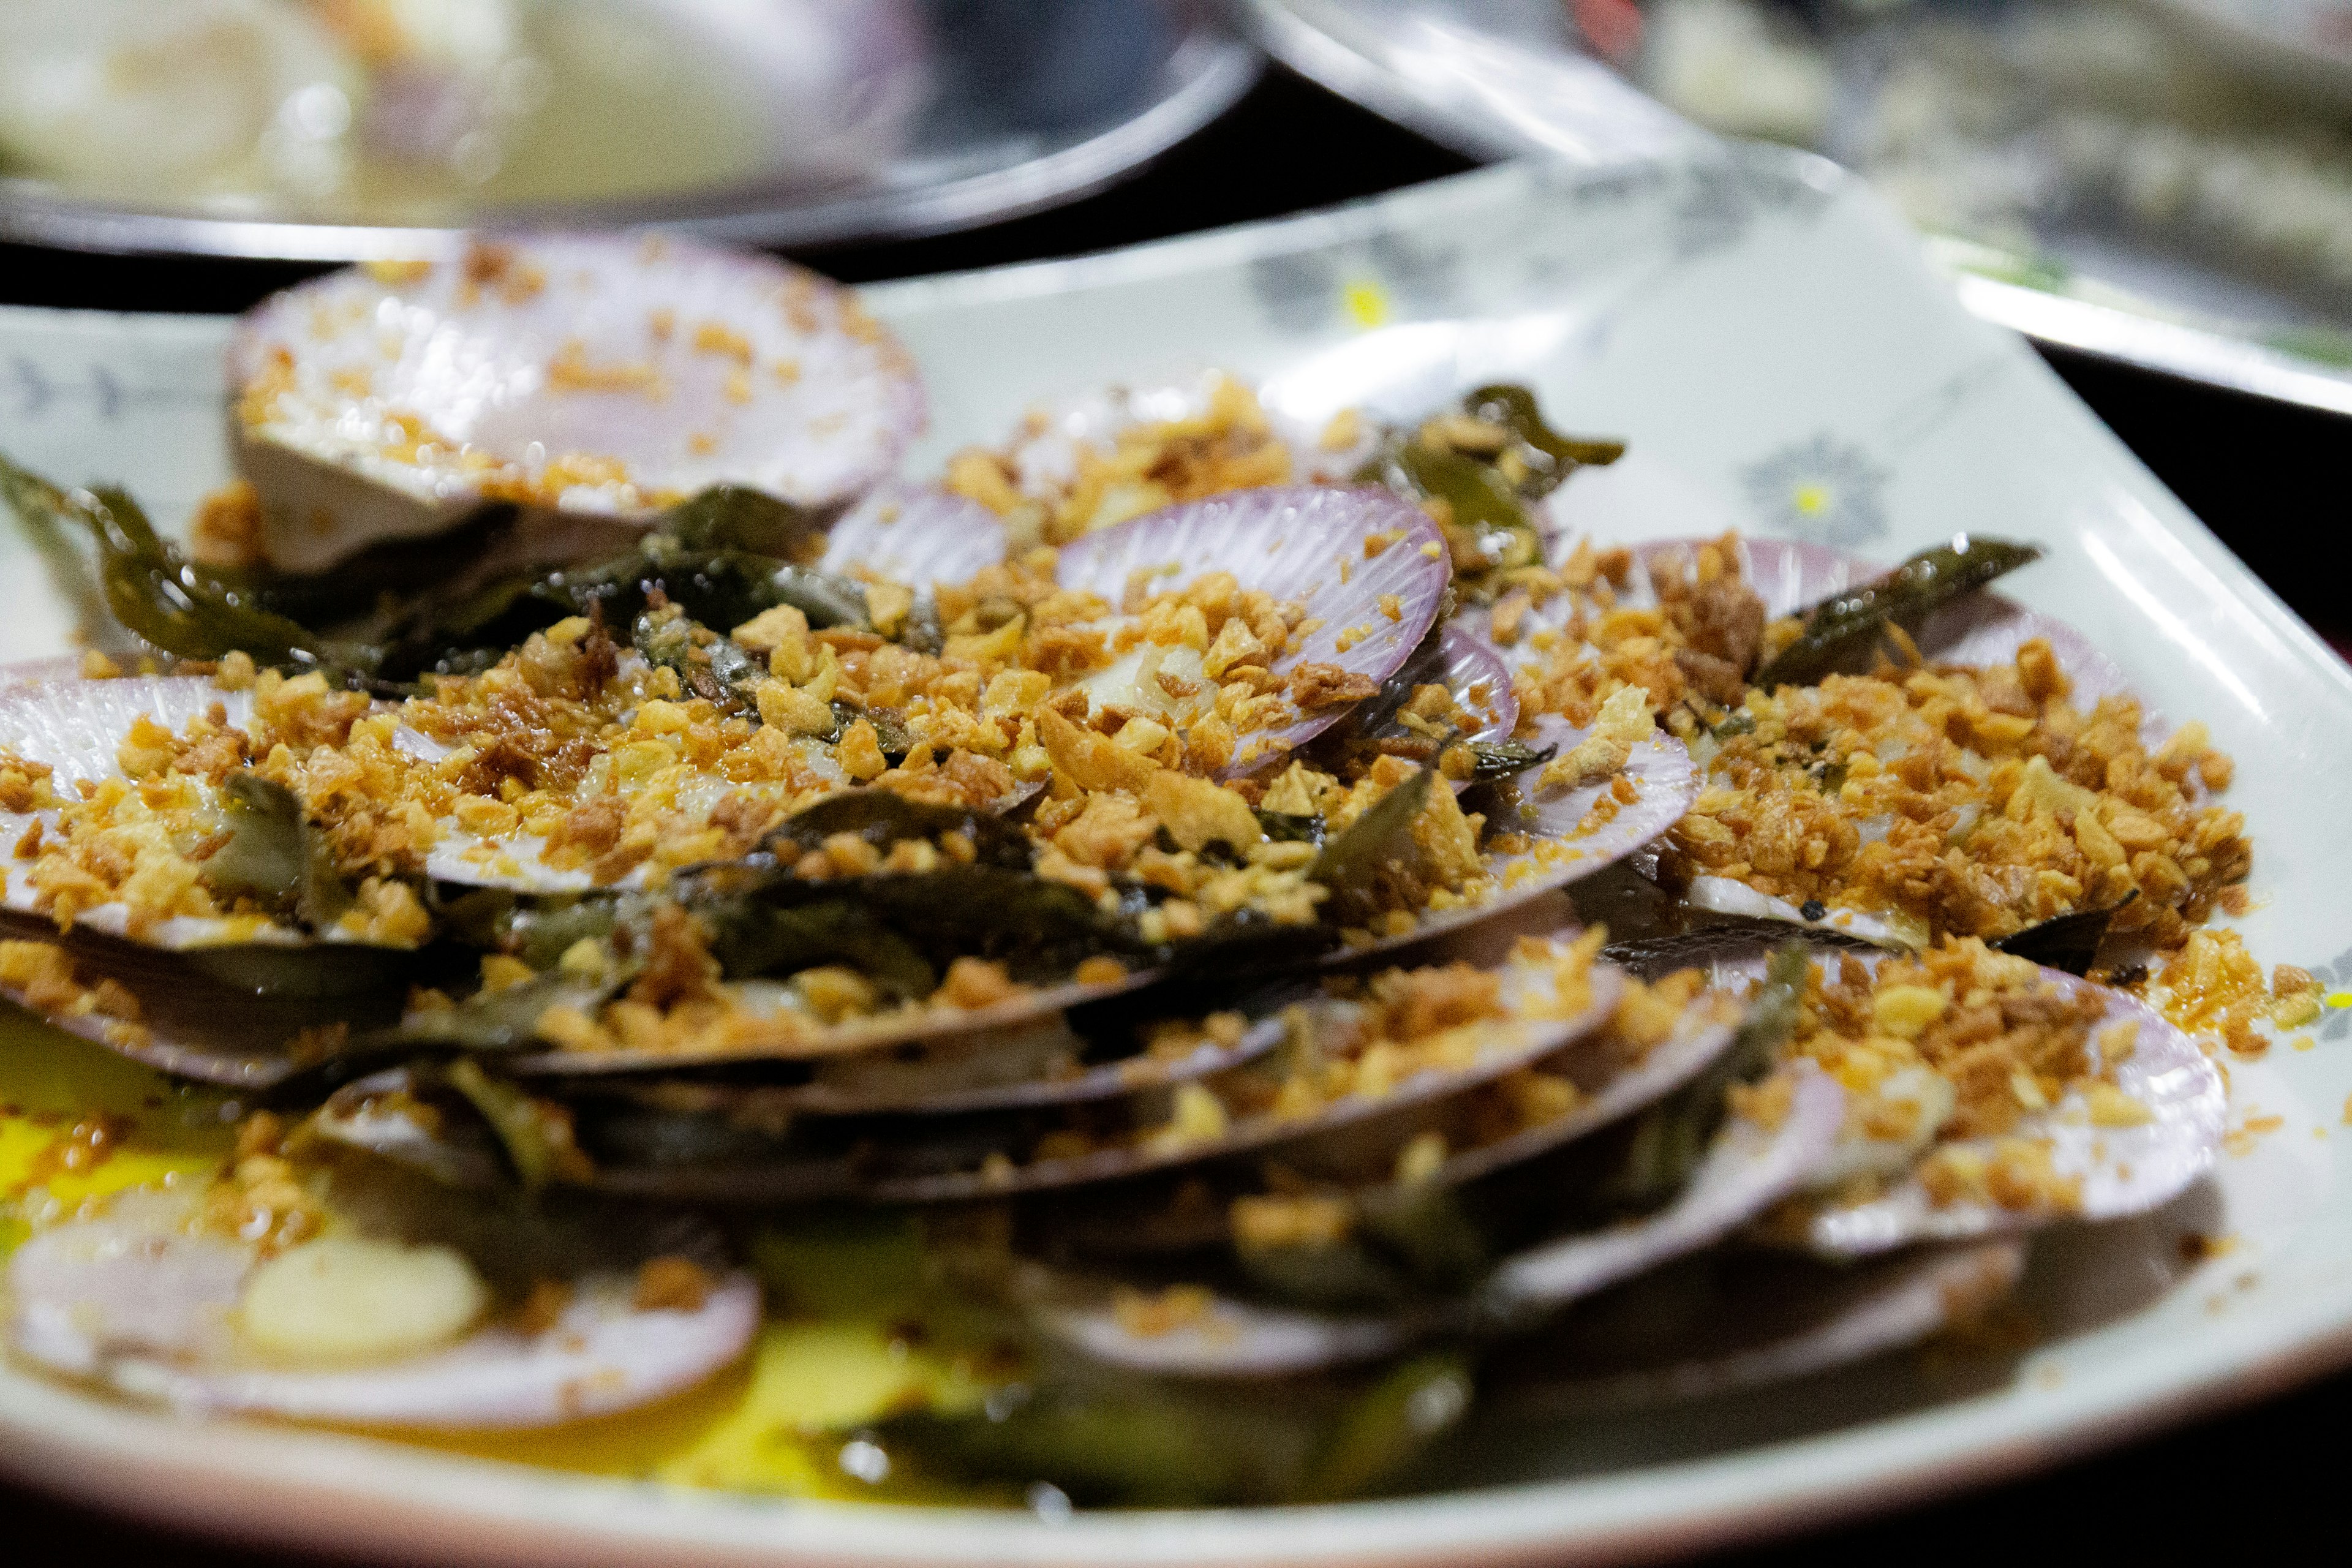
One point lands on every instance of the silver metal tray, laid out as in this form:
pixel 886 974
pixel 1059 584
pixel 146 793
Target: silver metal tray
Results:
pixel 1506 78
pixel 1006 108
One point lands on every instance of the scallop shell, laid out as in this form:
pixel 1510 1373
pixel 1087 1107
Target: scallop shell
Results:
pixel 602 1355
pixel 916 535
pixel 1467 666
pixel 933 1027
pixel 2123 1170
pixel 1343 554
pixel 214 1014
pixel 1511 1044
pixel 965 1081
pixel 947 1161
pixel 133 1298
pixel 608 375
pixel 1748 1169
pixel 50 715
pixel 1773 1320
pixel 1566 849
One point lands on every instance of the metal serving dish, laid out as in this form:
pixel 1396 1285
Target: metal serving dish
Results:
pixel 871 119
pixel 2085 222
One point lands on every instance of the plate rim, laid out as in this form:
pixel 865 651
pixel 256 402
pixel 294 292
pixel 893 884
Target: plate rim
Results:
pixel 350 1488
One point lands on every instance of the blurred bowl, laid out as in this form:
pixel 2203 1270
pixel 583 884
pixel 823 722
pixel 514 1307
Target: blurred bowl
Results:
pixel 218 127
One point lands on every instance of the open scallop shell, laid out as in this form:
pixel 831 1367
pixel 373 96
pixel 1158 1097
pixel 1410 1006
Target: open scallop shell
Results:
pixel 2123 1170
pixel 1044 453
pixel 604 376
pixel 602 1355
pixel 937 1028
pixel 984 1074
pixel 52 716
pixel 1769 1320
pixel 1351 556
pixel 1567 846
pixel 1228 1338
pixel 1979 629
pixel 1512 1043
pixel 1467 666
pixel 134 1299
pixel 950 1161
pixel 1748 1170
pixel 914 535
pixel 213 1015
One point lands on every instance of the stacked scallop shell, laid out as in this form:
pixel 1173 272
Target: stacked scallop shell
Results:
pixel 1226 1157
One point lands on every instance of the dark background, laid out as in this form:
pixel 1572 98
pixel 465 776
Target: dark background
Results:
pixel 2267 477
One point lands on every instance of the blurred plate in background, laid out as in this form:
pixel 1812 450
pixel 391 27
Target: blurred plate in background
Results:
pixel 328 130
pixel 2092 172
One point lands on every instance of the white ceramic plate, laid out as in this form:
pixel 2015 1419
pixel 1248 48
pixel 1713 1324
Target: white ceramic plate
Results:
pixel 1768 338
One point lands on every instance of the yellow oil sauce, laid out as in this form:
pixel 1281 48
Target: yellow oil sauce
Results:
pixel 79 1122
pixel 852 1335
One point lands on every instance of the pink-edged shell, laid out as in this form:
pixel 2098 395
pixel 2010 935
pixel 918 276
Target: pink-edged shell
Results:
pixel 1338 551
pixel 1978 629
pixel 196 1026
pixel 2123 1170
pixel 917 535
pixel 1514 1043
pixel 1044 453
pixel 137 1301
pixel 1699 1036
pixel 1565 849
pixel 1474 670
pixel 136 1279
pixel 50 715
pixel 1227 1337
pixel 602 1356
pixel 1777 1319
pixel 1467 666
pixel 1748 1170
pixel 931 1026
pixel 602 373
pixel 904 1093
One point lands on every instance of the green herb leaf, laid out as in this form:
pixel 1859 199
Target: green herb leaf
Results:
pixel 1843 630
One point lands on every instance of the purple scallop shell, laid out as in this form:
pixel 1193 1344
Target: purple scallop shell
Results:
pixel 1698 1039
pixel 50 714
pixel 2124 1170
pixel 1228 1339
pixel 1464 663
pixel 1981 628
pixel 1791 575
pixel 603 1355
pixel 1522 1041
pixel 1518 1042
pixel 133 1300
pixel 917 535
pixel 1747 1170
pixel 686 365
pixel 1776 1319
pixel 1131 1075
pixel 926 1024
pixel 1665 784
pixel 193 1026
pixel 1296 543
